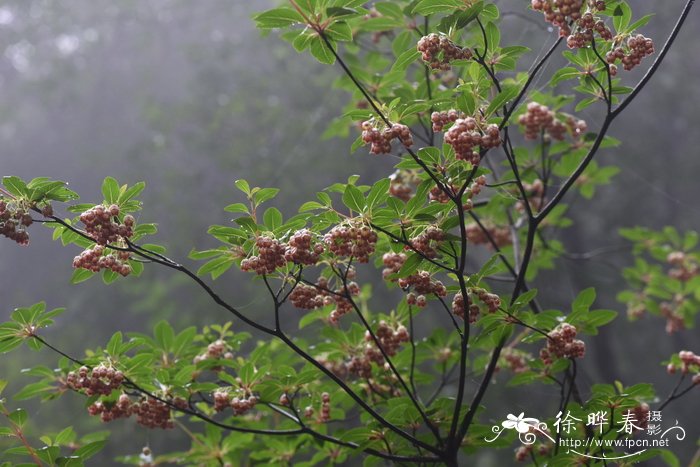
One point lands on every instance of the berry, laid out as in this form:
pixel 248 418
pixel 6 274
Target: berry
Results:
pixel 380 140
pixel 302 248
pixel 101 380
pixel 465 135
pixel 438 51
pixel 561 344
pixel 428 241
pixel 14 220
pixel 101 224
pixel 271 255
pixel 353 240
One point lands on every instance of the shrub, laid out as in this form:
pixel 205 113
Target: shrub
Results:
pixel 458 234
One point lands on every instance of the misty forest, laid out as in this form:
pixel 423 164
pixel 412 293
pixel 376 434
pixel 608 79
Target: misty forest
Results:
pixel 349 232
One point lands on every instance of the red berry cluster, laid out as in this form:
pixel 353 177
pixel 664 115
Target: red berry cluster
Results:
pixel 464 136
pixel 438 51
pixel 307 297
pixel 438 194
pixel 674 318
pixel 403 182
pixel 150 412
pixel 215 350
pixel 102 225
pixel 393 262
pixel 102 380
pixel 14 220
pixel 240 405
pixel 535 195
pixel 343 305
pixel 690 362
pixel 685 266
pixel 561 344
pixel 338 368
pixel 637 48
pixel 358 242
pixel 380 140
pixel 428 241
pixel 93 259
pixel 559 13
pixel 441 119
pixel 301 248
pixel 539 118
pixel 422 283
pixel 390 339
pixel 271 255
pixel 153 413
pixel 477 185
pixel 516 361
pixel 501 235
pixel 585 28
pixel 459 307
pixel 325 415
pixel 492 301
pixel 109 411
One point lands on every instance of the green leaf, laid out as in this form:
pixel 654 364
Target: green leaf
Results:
pixel 524 299
pixel 508 93
pixel 277 18
pixel 598 318
pixel 272 218
pixel 33 390
pixel 217 266
pixel 18 417
pixel 90 449
pixel 110 190
pixel 236 207
pixel 80 275
pixel 114 344
pixel 405 60
pixel 321 52
pixel 339 31
pixel 622 16
pixel 130 193
pixel 265 194
pixel 164 335
pixel 411 265
pixel 493 36
pixel 311 206
pixel 353 198
pixel 564 74
pixel 15 185
pixel 430 7
pixel 466 103
pixel 243 186
pixel 378 193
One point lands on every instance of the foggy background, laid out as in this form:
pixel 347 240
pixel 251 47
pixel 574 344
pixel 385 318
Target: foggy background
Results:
pixel 188 97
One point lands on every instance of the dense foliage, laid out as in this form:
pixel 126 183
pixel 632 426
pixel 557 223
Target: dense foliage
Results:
pixel 459 232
